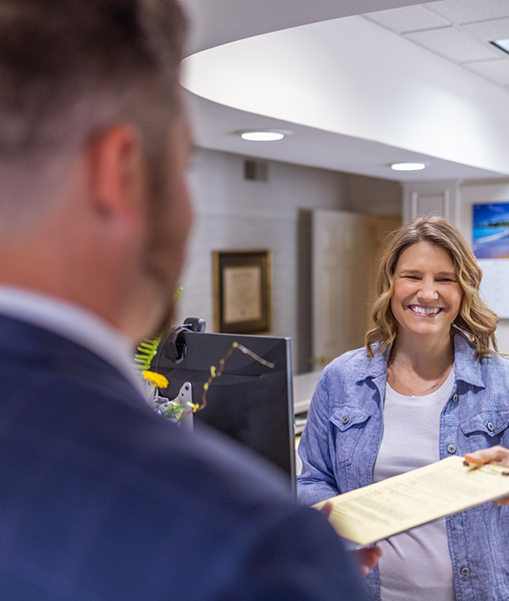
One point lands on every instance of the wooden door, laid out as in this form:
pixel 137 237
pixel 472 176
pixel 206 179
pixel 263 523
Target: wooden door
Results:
pixel 379 228
pixel 339 283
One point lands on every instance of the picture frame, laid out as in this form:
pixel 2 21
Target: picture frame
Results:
pixel 242 291
pixel 490 232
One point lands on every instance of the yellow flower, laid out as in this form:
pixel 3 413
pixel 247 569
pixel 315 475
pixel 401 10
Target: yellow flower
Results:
pixel 157 379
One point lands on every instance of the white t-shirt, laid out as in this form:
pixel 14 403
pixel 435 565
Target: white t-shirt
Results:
pixel 415 565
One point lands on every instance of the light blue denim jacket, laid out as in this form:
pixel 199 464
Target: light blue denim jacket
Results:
pixel 343 434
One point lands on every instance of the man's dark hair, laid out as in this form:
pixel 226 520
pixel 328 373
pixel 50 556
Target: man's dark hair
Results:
pixel 71 68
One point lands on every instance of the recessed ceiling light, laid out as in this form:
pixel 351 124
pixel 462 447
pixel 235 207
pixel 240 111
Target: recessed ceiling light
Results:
pixel 270 135
pixel 502 44
pixel 408 166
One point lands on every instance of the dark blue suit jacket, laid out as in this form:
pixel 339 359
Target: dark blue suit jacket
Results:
pixel 101 499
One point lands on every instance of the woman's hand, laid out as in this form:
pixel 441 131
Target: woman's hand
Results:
pixel 366 558
pixel 492 455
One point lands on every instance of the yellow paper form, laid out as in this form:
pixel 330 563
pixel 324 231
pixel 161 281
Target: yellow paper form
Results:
pixel 374 512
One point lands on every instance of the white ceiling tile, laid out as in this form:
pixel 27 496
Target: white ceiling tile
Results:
pixel 496 71
pixel 497 29
pixel 468 11
pixel 453 44
pixel 408 18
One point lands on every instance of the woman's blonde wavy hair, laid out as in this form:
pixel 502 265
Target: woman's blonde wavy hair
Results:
pixel 475 321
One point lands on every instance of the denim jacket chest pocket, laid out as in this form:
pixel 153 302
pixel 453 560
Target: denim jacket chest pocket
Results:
pixel 348 424
pixel 485 429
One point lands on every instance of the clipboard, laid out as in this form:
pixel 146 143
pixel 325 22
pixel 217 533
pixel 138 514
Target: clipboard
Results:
pixel 371 513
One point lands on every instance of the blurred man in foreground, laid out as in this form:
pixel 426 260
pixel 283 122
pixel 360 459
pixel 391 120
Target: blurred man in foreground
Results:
pixel 100 499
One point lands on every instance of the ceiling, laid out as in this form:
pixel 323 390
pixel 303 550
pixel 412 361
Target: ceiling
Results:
pixel 459 30
pixel 449 39
pixel 216 22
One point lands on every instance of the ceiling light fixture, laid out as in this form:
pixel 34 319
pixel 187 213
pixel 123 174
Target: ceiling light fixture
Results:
pixel 268 135
pixel 502 45
pixel 408 166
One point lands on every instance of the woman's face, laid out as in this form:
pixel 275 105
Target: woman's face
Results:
pixel 427 295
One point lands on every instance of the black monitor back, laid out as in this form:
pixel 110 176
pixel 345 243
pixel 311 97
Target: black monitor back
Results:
pixel 250 402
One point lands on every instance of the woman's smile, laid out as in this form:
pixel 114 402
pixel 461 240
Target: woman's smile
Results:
pixel 425 311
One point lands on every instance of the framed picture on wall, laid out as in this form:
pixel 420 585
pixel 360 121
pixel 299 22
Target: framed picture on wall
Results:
pixel 242 291
pixel 490 241
pixel 490 235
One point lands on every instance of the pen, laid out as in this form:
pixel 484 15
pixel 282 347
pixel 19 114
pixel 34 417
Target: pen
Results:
pixel 475 466
pixel 472 466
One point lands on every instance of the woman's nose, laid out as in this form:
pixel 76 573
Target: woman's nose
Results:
pixel 428 289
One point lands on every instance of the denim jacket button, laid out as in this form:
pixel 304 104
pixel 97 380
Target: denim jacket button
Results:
pixel 491 427
pixel 455 398
pixel 451 449
pixel 465 571
pixel 346 419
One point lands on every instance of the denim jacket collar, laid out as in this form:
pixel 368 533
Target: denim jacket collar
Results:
pixel 467 366
pixel 376 367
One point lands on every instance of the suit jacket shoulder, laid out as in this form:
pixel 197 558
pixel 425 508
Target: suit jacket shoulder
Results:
pixel 101 499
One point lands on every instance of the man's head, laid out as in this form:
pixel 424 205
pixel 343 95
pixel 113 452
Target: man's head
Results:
pixel 92 125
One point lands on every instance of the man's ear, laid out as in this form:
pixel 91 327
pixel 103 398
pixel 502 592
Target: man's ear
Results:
pixel 117 174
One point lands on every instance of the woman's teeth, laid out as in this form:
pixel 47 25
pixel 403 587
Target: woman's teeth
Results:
pixel 425 311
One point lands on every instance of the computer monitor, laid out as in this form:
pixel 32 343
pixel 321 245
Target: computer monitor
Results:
pixel 250 402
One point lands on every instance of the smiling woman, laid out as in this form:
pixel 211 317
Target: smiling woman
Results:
pixel 428 384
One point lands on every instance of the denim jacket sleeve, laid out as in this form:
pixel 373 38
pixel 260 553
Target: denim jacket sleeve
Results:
pixel 343 429
pixel 317 481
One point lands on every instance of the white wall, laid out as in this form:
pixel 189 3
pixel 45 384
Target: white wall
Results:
pixel 479 192
pixel 371 195
pixel 423 198
pixel 235 214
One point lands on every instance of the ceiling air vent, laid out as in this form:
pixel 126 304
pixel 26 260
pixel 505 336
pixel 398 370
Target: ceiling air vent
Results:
pixel 255 171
